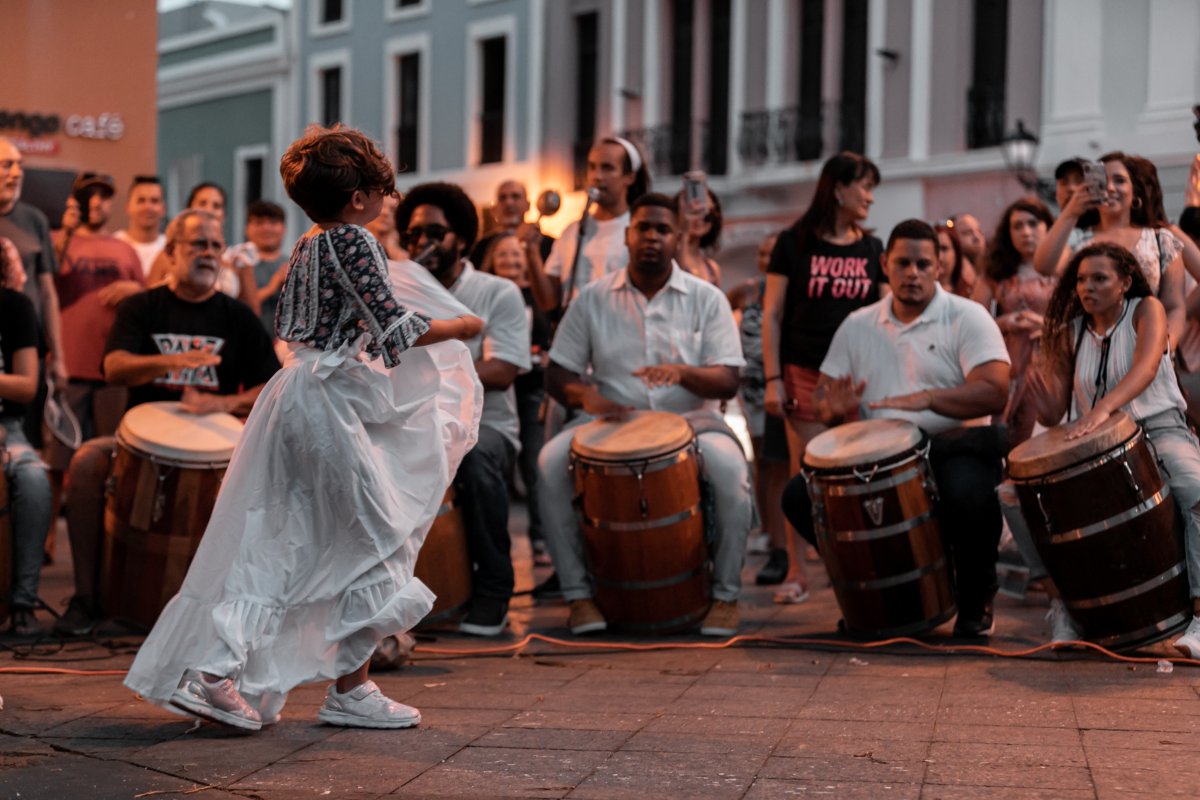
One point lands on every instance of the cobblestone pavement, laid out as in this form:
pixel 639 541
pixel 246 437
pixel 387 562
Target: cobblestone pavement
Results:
pixel 755 721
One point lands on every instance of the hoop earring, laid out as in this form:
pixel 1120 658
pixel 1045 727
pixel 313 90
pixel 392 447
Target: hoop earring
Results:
pixel 1136 204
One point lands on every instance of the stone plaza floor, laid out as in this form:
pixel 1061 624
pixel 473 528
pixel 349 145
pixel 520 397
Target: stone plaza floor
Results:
pixel 755 720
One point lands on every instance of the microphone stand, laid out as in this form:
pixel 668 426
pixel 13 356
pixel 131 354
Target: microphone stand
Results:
pixel 592 196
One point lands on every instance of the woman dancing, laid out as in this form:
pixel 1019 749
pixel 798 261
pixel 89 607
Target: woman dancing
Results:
pixel 307 562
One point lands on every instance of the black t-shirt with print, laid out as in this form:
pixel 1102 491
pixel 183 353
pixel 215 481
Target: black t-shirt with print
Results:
pixel 824 286
pixel 157 322
pixel 18 330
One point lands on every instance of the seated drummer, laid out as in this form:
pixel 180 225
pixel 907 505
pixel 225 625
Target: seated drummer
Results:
pixel 660 339
pixel 1107 350
pixel 935 359
pixel 28 496
pixel 182 341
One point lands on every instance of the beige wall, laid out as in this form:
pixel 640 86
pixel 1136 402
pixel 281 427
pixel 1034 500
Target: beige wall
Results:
pixel 81 59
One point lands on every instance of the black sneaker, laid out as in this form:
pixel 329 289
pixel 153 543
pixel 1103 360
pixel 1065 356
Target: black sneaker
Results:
pixel 775 570
pixel 978 625
pixel 79 619
pixel 487 617
pixel 22 622
pixel 548 589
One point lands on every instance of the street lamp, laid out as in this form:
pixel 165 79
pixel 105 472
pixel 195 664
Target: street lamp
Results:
pixel 1020 152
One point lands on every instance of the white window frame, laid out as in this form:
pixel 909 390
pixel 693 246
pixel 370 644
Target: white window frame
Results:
pixel 182 174
pixel 318 63
pixel 240 155
pixel 420 44
pixel 478 31
pixel 317 29
pixel 393 13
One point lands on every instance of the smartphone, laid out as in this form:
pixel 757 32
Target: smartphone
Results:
pixel 695 189
pixel 1095 179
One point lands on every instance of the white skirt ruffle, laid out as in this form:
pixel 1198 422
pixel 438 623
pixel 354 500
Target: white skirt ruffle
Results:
pixel 307 561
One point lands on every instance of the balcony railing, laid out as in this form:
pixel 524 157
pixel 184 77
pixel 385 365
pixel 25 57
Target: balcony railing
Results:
pixel 780 136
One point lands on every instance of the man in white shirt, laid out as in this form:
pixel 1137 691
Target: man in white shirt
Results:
pixel 442 215
pixel 617 176
pixel 146 211
pixel 934 359
pixel 655 338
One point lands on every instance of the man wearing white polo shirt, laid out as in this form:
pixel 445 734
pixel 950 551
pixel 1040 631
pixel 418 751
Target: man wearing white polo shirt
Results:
pixel 655 338
pixel 936 360
pixel 441 214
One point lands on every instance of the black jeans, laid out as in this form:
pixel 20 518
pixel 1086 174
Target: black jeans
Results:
pixel 533 436
pixel 967 467
pixel 482 486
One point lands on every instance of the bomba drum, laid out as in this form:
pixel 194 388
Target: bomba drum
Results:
pixel 637 490
pixel 874 511
pixel 444 564
pixel 1105 526
pixel 167 469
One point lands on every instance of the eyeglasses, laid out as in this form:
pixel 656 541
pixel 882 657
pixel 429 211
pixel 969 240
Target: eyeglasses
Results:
pixel 434 233
pixel 201 245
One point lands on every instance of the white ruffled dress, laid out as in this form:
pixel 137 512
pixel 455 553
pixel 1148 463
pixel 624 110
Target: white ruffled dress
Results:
pixel 307 562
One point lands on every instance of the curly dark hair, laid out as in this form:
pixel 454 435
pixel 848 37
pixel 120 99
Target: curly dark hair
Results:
pixel 1001 260
pixel 1064 305
pixel 454 203
pixel 323 168
pixel 819 218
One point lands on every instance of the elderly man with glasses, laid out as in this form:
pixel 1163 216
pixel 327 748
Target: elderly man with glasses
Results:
pixel 183 341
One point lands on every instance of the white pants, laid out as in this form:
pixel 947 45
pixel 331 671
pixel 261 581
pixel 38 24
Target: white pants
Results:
pixel 724 467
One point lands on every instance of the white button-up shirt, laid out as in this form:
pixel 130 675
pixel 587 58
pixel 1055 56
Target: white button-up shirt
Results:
pixel 936 350
pixel 498 302
pixel 613 328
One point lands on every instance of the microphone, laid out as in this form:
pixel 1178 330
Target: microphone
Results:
pixel 593 195
pixel 424 254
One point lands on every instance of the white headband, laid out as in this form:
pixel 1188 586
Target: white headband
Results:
pixel 635 158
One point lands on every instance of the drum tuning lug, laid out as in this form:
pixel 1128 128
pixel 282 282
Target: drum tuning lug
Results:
pixel 1045 514
pixel 645 507
pixel 1133 484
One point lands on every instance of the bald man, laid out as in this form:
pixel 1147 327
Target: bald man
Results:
pixel 512 204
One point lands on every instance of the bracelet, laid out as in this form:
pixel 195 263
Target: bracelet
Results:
pixel 772 378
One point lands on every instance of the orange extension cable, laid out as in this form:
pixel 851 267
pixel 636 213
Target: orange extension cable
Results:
pixel 516 647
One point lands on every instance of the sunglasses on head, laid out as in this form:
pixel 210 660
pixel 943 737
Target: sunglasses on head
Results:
pixel 434 233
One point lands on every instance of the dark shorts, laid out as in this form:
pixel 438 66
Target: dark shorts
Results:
pixel 775 443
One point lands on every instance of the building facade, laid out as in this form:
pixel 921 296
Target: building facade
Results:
pixel 755 92
pixel 225 103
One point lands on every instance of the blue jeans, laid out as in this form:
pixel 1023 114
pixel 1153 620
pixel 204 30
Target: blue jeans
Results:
pixel 29 504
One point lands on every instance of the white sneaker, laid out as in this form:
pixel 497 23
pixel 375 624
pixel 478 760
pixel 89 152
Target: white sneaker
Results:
pixel 1062 627
pixel 366 707
pixel 219 701
pixel 1189 643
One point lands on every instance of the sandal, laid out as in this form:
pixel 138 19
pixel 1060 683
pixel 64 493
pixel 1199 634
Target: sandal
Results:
pixel 790 594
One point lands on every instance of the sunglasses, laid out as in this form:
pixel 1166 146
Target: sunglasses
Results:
pixel 434 233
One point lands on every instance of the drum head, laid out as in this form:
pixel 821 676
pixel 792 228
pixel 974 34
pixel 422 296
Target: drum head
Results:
pixel 1050 451
pixel 163 430
pixel 865 442
pixel 644 434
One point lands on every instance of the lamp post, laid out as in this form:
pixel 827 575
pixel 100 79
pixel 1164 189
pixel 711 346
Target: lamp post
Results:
pixel 1020 153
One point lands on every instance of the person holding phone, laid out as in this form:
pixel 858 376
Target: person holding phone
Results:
pixel 702 217
pixel 1129 213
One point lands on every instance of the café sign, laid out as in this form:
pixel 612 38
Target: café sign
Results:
pixel 107 126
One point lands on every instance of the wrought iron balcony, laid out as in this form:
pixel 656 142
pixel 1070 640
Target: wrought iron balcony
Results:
pixel 780 136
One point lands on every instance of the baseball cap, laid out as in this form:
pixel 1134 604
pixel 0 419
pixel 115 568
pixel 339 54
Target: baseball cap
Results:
pixel 87 180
